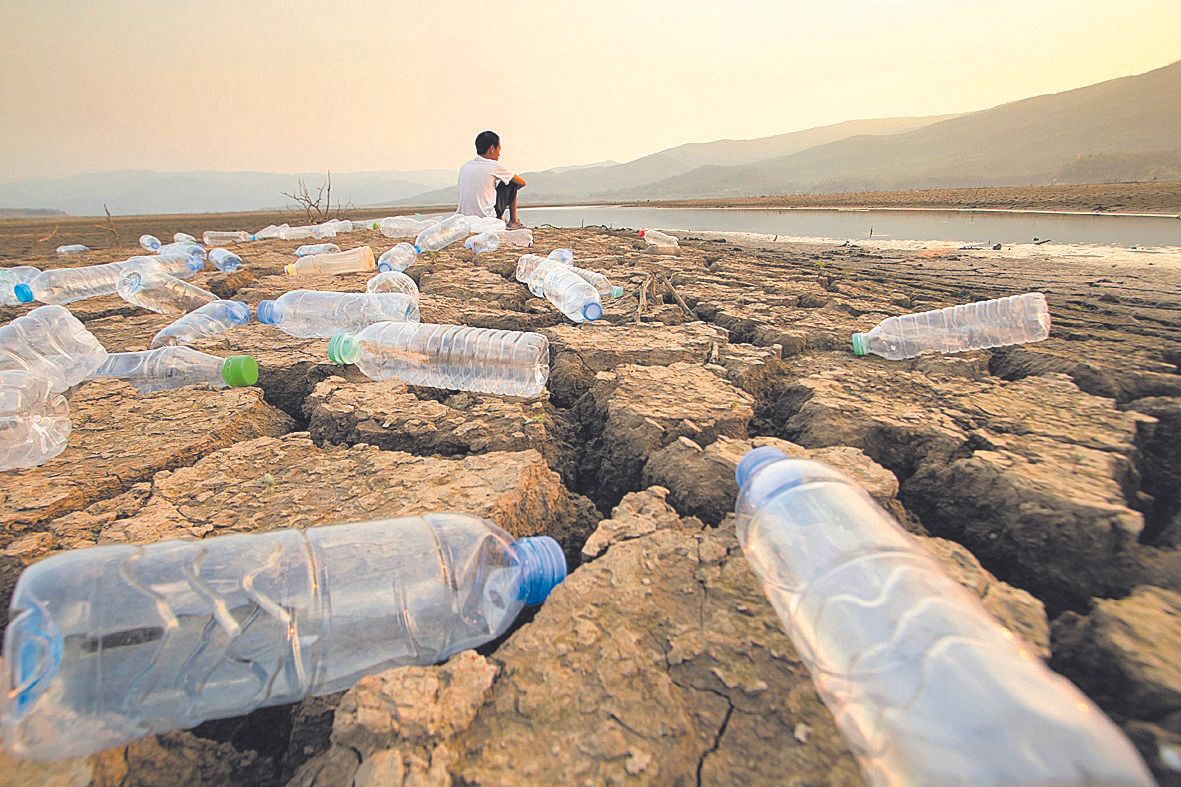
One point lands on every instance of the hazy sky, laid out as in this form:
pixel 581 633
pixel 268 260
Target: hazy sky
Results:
pixel 372 84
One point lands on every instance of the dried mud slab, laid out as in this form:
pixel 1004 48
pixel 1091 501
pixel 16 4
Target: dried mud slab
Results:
pixel 120 437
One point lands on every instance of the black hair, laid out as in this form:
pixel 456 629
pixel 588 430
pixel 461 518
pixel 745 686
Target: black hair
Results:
pixel 486 140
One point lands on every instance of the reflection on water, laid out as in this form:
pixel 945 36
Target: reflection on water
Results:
pixel 909 225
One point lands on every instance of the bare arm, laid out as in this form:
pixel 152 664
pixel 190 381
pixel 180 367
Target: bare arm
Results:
pixel 520 181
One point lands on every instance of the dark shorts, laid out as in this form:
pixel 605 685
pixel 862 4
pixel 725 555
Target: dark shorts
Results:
pixel 505 194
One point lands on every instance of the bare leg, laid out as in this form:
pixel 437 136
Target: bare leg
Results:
pixel 512 211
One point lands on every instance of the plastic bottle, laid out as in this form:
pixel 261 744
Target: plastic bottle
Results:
pixel 925 685
pixel 657 238
pixel 454 357
pixel 399 258
pixel 317 248
pixel 225 260
pixel 213 238
pixel 211 319
pixel 309 314
pixel 66 285
pixel 528 264
pixel 365 224
pixel 295 233
pixel 600 282
pixel 481 224
pixel 325 230
pixel 149 243
pixel 188 249
pixel 50 342
pixel 73 248
pixel 393 281
pixel 403 226
pixel 183 237
pixel 177 264
pixel 1017 319
pixel 10 277
pixel 356 260
pixel 177 366
pixel 484 242
pixel 564 256
pixel 34 421
pixel 439 236
pixel 150 288
pixel 569 292
pixel 522 237
pixel 269 232
pixel 111 643
pixel 342 225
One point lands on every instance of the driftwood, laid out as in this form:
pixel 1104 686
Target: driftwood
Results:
pixel 650 292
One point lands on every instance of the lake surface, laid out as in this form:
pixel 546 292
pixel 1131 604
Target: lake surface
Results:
pixel 882 225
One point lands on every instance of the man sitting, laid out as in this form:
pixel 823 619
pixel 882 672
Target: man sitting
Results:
pixel 487 187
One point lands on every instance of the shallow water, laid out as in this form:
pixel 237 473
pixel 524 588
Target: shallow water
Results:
pixel 987 227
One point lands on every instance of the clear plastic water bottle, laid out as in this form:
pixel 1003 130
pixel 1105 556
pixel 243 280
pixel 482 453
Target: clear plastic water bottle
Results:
pixel 178 366
pixel 342 225
pixel 50 342
pixel 225 260
pixel 481 224
pixel 365 224
pixel 184 247
pixel 177 264
pixel 150 288
pixel 269 232
pixel 10 277
pixel 358 260
pixel 522 237
pixel 393 281
pixel 149 243
pixel 484 242
pixel 111 643
pixel 66 285
pixel 399 258
pixel 657 238
pixel 34 421
pixel 72 248
pixel 1018 319
pixel 295 233
pixel 325 230
pixel 569 292
pixel 455 357
pixel 214 238
pixel 925 685
pixel 183 237
pixel 211 319
pixel 309 249
pixel 402 226
pixel 564 256
pixel 439 236
pixel 595 279
pixel 528 264
pixel 310 314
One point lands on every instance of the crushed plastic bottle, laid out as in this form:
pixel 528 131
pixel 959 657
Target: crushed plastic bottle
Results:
pixel 111 643
pixel 213 318
pixel 295 233
pixel 183 237
pixel 269 232
pixel 1018 319
pixel 72 248
pixel 316 248
pixel 356 260
pixel 177 366
pixel 51 343
pixel 393 281
pixel 439 236
pixel 455 357
pixel 149 243
pixel 66 285
pixel 225 260
pixel 403 226
pixel 569 292
pixel 925 685
pixel 399 258
pixel 34 421
pixel 481 224
pixel 484 242
pixel 10 277
pixel 657 238
pixel 309 314
pixel 150 288
pixel 522 237
pixel 215 238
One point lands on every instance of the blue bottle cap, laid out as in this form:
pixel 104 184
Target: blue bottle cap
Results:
pixel 239 312
pixel 417 250
pixel 266 312
pixel 543 567
pixel 755 459
pixel 592 311
pixel 23 293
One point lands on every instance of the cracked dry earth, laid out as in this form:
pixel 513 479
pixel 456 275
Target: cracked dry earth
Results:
pixel 1045 478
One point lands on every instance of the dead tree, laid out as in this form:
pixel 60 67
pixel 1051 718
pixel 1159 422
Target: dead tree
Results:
pixel 317 208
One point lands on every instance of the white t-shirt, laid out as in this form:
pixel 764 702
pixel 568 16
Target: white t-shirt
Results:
pixel 477 186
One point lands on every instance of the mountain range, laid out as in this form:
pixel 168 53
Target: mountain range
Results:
pixel 1119 130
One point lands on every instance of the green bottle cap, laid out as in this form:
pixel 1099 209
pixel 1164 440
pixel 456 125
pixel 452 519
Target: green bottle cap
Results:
pixel 344 348
pixel 860 344
pixel 239 370
pixel 617 291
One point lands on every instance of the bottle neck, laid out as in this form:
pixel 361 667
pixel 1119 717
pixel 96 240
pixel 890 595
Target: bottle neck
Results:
pixel 543 567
